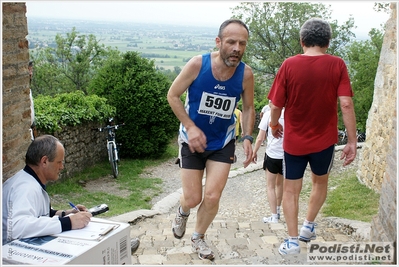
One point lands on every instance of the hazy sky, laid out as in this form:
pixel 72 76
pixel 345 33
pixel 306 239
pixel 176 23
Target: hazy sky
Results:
pixel 206 13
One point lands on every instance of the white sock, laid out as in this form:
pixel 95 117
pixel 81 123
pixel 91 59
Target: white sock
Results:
pixel 307 222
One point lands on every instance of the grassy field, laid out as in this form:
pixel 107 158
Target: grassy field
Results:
pixel 167 58
pixel 347 198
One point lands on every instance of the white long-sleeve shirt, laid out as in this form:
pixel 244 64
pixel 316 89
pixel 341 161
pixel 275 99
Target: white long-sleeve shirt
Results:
pixel 26 209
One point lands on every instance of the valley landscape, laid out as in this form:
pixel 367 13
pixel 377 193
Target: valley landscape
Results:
pixel 169 46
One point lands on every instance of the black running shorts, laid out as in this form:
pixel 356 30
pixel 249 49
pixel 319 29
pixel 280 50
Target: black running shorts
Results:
pixel 273 165
pixel 197 161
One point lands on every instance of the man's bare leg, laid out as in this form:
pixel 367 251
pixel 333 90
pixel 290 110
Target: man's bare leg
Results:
pixel 292 189
pixel 192 188
pixel 216 178
pixel 191 197
pixel 317 196
pixel 316 200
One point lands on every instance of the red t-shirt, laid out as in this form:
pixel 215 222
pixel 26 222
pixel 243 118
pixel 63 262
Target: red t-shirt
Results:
pixel 308 87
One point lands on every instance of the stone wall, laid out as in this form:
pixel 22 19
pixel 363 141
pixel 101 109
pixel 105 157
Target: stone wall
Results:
pixel 378 161
pixel 380 122
pixel 16 103
pixel 83 147
pixel 384 224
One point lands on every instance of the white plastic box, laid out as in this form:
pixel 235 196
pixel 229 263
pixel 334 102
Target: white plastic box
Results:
pixel 102 242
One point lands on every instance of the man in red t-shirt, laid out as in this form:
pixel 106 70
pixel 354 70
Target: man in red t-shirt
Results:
pixel 308 86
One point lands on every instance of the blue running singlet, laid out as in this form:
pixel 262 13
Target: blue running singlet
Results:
pixel 210 104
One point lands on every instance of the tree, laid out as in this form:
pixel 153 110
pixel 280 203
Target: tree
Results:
pixel 363 57
pixel 274 34
pixel 69 66
pixel 138 91
pixel 169 73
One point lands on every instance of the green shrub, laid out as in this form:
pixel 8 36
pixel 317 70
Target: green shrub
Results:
pixel 53 112
pixel 132 84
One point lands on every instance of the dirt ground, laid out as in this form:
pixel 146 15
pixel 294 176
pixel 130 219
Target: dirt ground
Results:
pixel 107 184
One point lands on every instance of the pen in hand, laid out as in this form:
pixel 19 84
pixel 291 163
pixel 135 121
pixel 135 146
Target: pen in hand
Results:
pixel 74 207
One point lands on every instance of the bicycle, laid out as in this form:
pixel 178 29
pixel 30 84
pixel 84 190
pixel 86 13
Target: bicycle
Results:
pixel 343 136
pixel 112 146
pixel 361 136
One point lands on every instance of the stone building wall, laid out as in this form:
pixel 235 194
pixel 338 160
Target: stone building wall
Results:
pixel 380 122
pixel 15 88
pixel 378 167
pixel 384 224
pixel 83 146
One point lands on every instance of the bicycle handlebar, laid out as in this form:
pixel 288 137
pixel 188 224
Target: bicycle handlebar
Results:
pixel 108 127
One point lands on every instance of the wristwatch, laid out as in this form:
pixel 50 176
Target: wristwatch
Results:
pixel 248 137
pixel 63 213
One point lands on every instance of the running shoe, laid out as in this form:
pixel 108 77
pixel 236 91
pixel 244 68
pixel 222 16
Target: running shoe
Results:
pixel 201 247
pixel 289 247
pixel 179 224
pixel 270 219
pixel 308 232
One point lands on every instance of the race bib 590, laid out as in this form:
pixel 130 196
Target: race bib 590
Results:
pixel 216 105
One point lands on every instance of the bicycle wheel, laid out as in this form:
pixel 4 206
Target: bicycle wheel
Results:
pixel 361 137
pixel 341 140
pixel 112 161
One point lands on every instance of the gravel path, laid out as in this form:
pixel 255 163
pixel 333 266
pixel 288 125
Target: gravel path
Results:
pixel 243 193
pixel 237 235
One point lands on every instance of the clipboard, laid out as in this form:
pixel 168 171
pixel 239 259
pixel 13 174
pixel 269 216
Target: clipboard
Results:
pixel 95 231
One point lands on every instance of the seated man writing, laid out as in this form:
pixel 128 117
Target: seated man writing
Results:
pixel 26 205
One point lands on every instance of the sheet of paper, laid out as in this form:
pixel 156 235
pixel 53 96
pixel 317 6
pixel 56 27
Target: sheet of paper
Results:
pixel 93 231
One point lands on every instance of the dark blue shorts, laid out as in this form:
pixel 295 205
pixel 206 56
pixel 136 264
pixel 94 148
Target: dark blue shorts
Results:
pixel 197 161
pixel 320 163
